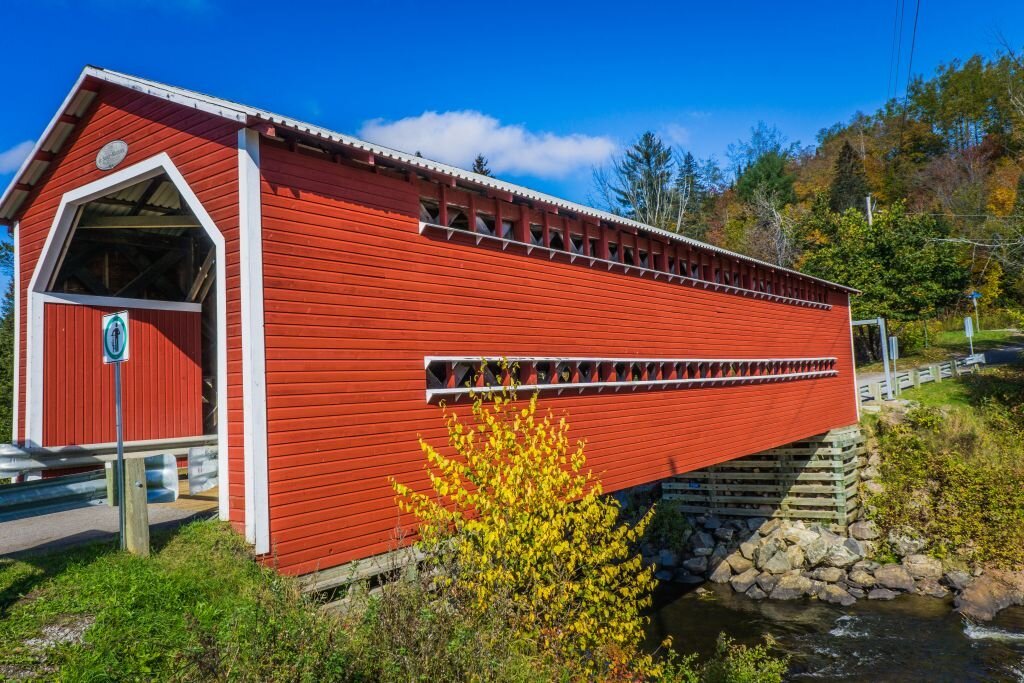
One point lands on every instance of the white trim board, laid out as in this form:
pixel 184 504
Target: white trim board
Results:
pixel 48 259
pixel 16 275
pixel 119 302
pixel 254 372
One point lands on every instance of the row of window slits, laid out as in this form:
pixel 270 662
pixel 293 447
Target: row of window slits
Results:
pixel 466 374
pixel 485 224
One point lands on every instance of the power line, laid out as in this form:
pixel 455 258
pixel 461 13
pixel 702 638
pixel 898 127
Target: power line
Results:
pixel 889 89
pixel 910 67
pixel 899 49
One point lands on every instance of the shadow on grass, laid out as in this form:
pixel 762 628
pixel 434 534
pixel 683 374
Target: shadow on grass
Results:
pixel 23 572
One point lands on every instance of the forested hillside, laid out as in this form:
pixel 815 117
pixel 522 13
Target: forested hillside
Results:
pixel 943 168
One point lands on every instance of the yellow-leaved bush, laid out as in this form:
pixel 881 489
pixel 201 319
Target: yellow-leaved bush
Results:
pixel 517 523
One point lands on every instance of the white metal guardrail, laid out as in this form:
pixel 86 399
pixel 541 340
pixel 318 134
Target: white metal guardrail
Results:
pixel 15 460
pixel 44 496
pixel 936 372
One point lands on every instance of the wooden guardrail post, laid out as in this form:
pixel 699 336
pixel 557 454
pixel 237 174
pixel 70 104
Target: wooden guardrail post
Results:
pixel 876 391
pixel 936 373
pixel 915 376
pixel 135 505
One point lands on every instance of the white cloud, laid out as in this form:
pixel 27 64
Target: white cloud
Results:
pixel 456 137
pixel 677 135
pixel 11 159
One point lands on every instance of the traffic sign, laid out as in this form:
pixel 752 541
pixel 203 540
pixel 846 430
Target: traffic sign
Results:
pixel 969 326
pixel 974 295
pixel 115 337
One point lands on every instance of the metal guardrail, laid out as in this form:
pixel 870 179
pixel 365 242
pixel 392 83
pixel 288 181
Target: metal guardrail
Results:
pixel 44 496
pixel 935 372
pixel 15 460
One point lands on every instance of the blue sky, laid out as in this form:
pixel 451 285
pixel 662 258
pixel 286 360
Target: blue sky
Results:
pixel 546 90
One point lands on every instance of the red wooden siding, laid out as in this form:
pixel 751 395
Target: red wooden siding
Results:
pixel 204 148
pixel 161 381
pixel 355 298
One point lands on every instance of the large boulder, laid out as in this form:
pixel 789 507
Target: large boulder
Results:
pixel 957 579
pixel 816 551
pixel 768 549
pixel 696 565
pixel 828 574
pixel 725 533
pixel 836 595
pixel 881 594
pixel 711 523
pixel 756 593
pixel 766 581
pixel 864 531
pixel 702 543
pixel 778 563
pixel 861 578
pixel 989 593
pixel 843 555
pixel 754 523
pixel 894 577
pixel 718 556
pixel 768 527
pixel 932 588
pixel 721 574
pixel 741 583
pixel 668 558
pixel 748 549
pixel 798 535
pixel 795 556
pixel 791 587
pixel 739 562
pixel 923 567
pixel 906 541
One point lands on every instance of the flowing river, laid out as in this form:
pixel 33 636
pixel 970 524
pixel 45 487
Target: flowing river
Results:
pixel 908 639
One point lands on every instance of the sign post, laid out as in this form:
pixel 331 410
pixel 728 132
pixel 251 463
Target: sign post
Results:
pixel 974 296
pixel 115 351
pixel 894 355
pixel 969 331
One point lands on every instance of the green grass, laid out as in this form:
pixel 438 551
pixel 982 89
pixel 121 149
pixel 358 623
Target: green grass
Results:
pixel 196 610
pixel 946 344
pixel 948 393
pixel 200 609
pixel 952 469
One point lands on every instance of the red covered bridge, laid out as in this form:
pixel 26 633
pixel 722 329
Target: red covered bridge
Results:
pixel 308 297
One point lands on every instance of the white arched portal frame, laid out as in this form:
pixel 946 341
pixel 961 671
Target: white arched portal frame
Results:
pixel 50 256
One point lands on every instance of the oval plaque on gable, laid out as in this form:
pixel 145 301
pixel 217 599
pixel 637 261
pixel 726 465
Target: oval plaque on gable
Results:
pixel 111 154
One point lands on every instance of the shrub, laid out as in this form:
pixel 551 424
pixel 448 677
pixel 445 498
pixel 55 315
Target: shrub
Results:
pixel 515 522
pixel 956 478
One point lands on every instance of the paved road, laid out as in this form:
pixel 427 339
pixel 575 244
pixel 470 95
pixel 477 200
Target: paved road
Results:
pixel 998 356
pixel 73 527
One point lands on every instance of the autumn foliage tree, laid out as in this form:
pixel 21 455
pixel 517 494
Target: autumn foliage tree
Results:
pixel 514 521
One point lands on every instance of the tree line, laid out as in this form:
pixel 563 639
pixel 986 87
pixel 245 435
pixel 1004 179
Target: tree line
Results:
pixel 941 170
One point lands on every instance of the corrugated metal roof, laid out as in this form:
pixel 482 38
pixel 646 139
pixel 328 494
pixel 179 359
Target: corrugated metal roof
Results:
pixel 248 115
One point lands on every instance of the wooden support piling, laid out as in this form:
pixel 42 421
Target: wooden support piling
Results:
pixel 135 504
pixel 815 480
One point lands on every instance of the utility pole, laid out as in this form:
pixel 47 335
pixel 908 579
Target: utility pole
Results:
pixel 871 219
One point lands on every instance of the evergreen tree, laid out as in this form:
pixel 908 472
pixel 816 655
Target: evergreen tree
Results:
pixel 642 186
pixel 849 182
pixel 480 165
pixel 769 176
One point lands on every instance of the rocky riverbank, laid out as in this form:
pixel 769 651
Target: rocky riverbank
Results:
pixel 783 560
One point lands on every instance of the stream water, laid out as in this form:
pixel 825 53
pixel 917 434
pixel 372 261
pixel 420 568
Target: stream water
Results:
pixel 908 639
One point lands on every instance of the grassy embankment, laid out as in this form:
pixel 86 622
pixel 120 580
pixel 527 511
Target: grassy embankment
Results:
pixel 954 467
pixel 950 343
pixel 200 609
